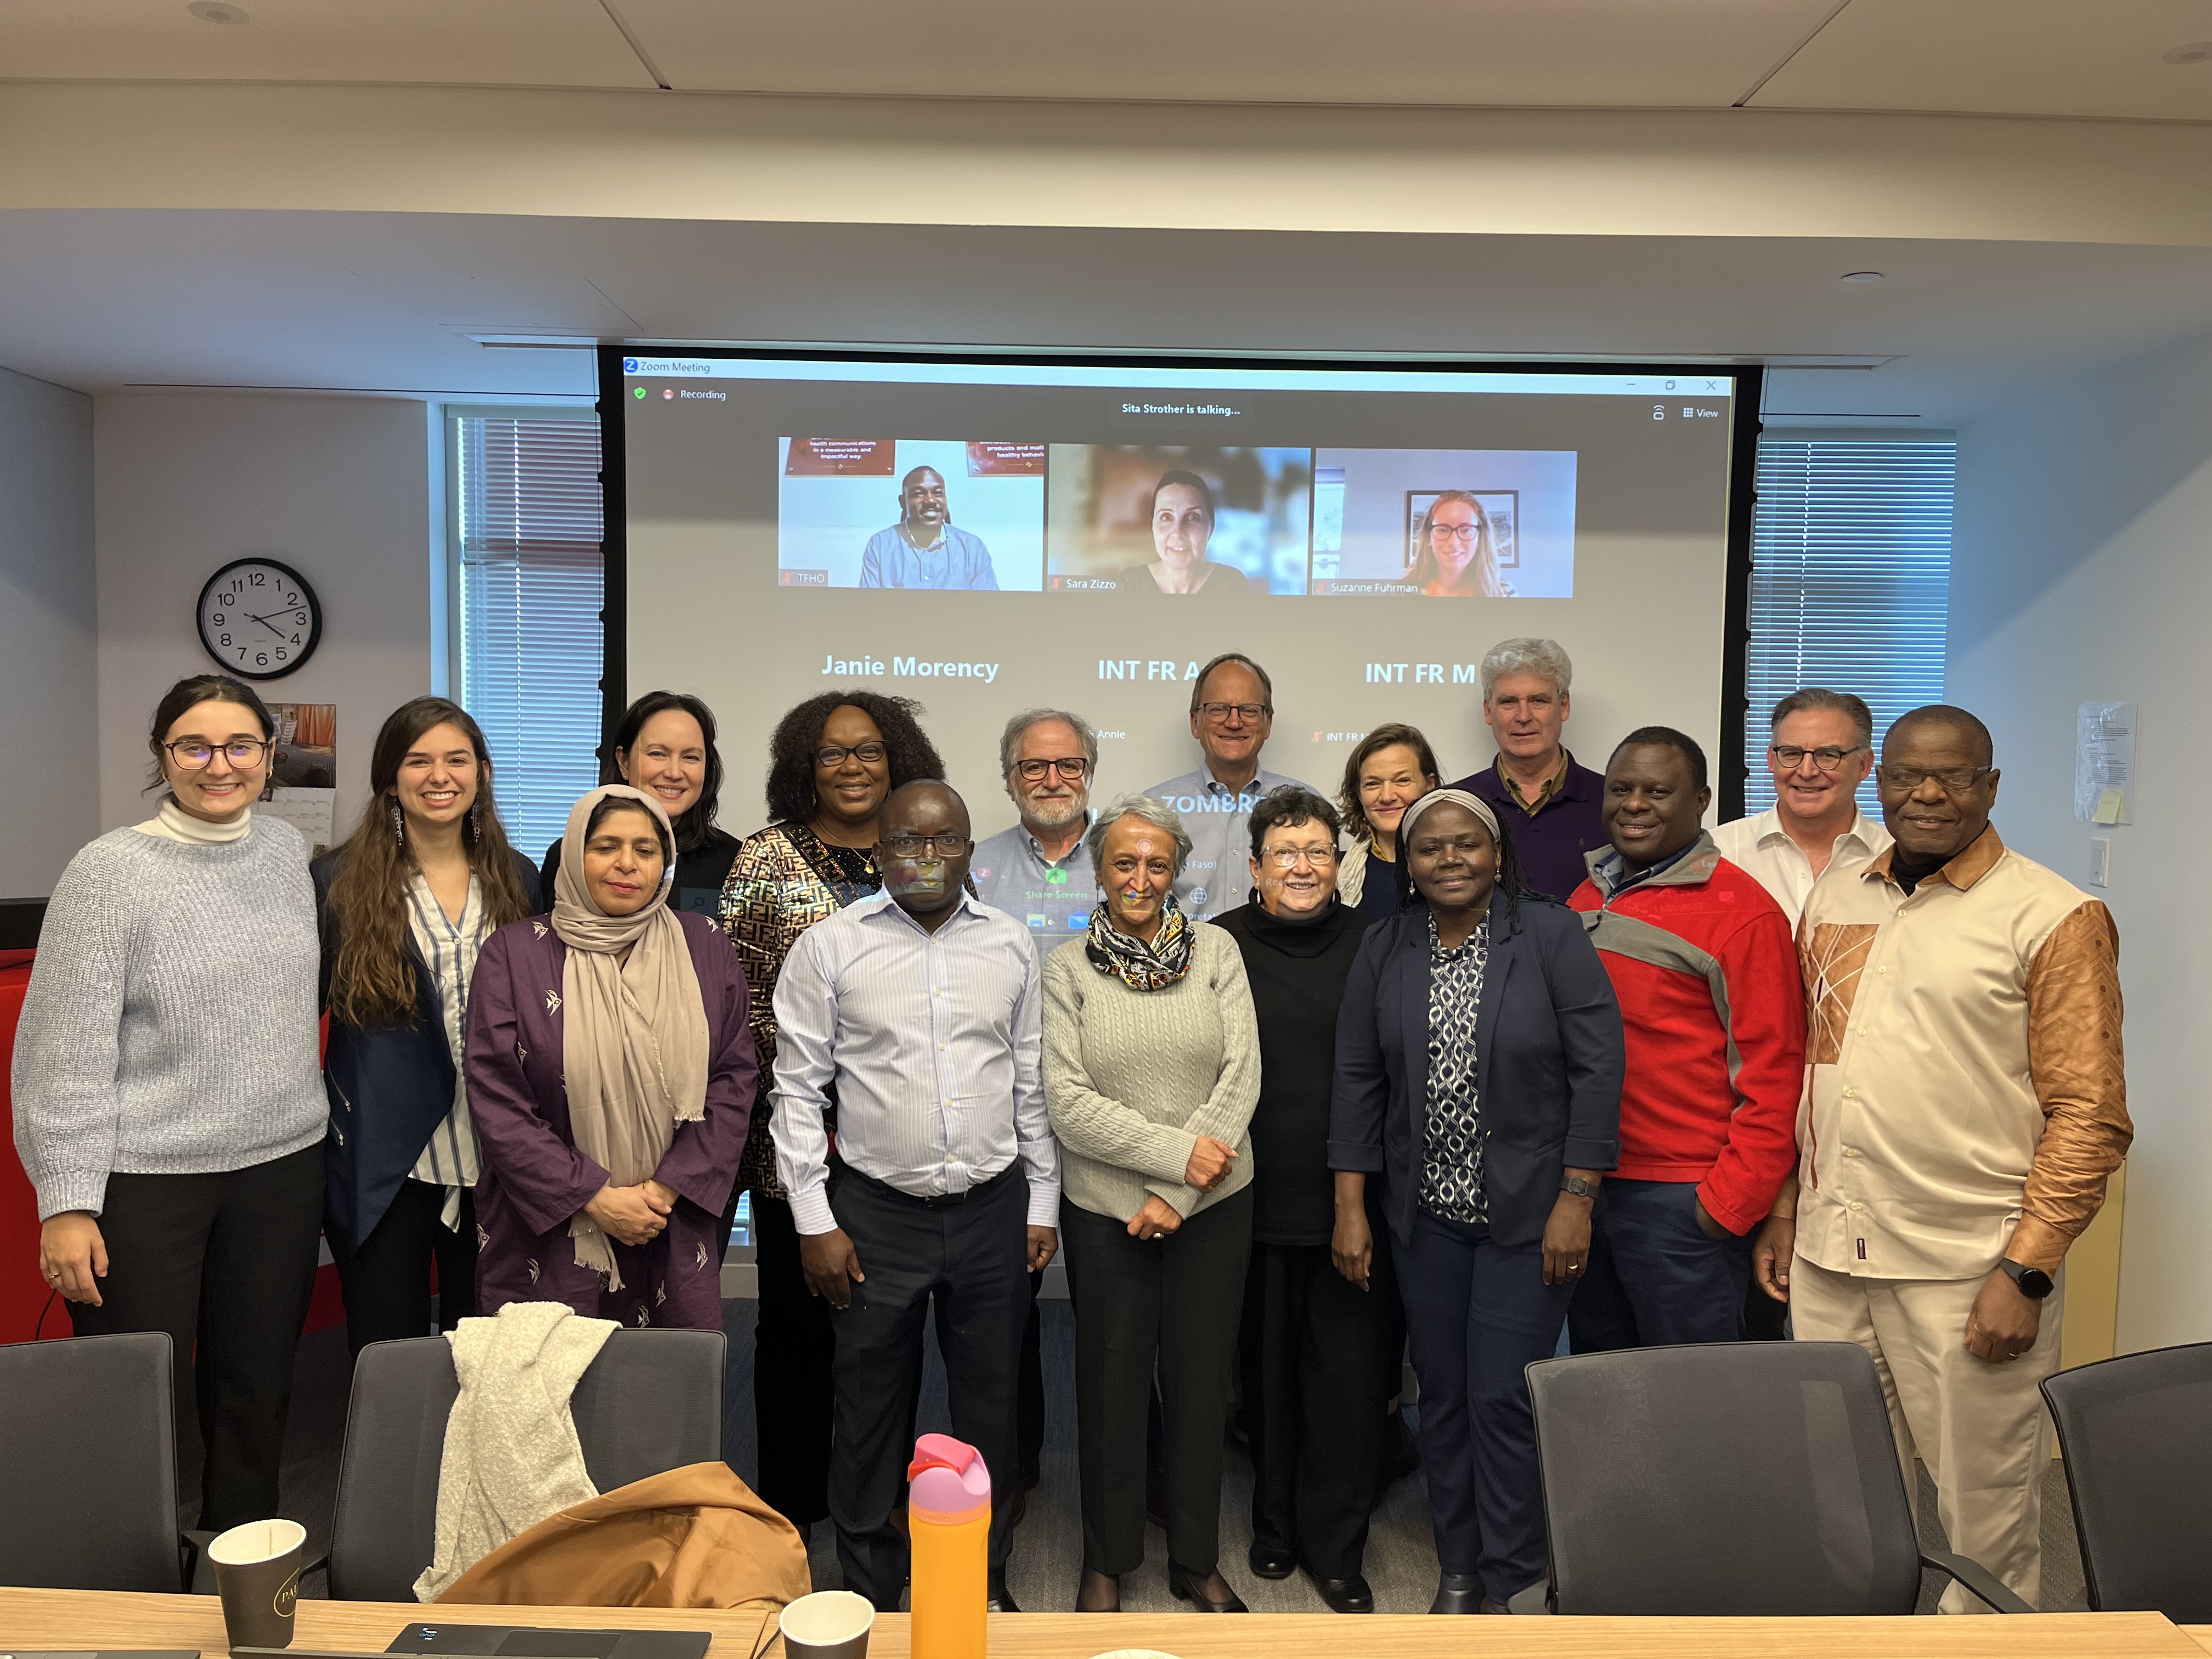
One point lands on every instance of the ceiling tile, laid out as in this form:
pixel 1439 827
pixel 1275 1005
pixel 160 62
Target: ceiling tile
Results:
pixel 1641 53
pixel 531 43
pixel 2087 58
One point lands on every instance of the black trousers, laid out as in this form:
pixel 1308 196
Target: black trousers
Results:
pixel 793 1348
pixel 970 1262
pixel 1317 1376
pixel 1176 1300
pixel 1029 1404
pixel 225 1263
pixel 387 1278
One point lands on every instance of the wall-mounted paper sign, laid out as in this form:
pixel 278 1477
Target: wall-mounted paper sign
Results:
pixel 2104 762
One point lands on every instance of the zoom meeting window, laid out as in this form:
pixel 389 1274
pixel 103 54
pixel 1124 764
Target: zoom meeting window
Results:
pixel 988 537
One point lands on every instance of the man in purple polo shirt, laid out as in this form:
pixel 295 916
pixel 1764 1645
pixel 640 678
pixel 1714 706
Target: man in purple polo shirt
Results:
pixel 1552 808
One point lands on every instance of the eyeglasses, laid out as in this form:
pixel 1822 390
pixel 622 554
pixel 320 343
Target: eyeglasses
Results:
pixel 1285 859
pixel 1219 712
pixel 1951 780
pixel 193 753
pixel 1456 532
pixel 913 847
pixel 830 756
pixel 1071 766
pixel 1789 757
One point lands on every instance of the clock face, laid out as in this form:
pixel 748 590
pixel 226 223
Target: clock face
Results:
pixel 259 619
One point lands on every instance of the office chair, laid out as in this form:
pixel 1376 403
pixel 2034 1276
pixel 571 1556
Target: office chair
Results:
pixel 651 1402
pixel 2136 1435
pixel 89 1459
pixel 1728 1478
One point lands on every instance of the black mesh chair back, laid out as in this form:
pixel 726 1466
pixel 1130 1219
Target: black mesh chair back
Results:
pixel 1752 1478
pixel 89 1463
pixel 650 1402
pixel 2136 1433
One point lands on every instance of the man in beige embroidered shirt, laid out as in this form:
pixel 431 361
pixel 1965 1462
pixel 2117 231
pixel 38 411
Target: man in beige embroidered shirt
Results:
pixel 1965 1104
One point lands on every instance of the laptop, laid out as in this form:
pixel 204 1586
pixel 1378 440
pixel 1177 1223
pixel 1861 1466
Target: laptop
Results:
pixel 513 1642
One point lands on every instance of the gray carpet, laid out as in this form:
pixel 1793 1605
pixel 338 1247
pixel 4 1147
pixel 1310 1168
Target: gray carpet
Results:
pixel 1401 1563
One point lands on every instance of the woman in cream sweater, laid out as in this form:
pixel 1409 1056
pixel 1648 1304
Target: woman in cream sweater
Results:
pixel 1152 1059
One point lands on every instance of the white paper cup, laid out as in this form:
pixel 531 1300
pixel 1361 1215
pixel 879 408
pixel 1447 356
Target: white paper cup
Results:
pixel 827 1624
pixel 257 1573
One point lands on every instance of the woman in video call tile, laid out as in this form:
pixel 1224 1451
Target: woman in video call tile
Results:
pixel 1457 559
pixel 1182 524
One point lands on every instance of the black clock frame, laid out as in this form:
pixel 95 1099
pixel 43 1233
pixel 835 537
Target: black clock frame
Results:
pixel 314 619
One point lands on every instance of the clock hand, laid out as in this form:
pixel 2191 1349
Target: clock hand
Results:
pixel 266 623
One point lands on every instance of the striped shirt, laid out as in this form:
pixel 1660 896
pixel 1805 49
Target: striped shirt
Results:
pixel 448 949
pixel 930 1043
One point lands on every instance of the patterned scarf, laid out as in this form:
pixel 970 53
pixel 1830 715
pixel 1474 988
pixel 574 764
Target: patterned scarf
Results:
pixel 1139 966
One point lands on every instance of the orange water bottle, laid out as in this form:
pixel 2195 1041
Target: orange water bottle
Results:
pixel 948 1509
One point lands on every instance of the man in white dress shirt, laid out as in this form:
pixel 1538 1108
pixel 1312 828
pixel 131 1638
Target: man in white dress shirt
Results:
pixel 917 1011
pixel 1822 749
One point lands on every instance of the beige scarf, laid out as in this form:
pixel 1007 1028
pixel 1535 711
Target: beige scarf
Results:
pixel 634 1038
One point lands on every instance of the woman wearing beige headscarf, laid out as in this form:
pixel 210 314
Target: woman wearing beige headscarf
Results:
pixel 609 1077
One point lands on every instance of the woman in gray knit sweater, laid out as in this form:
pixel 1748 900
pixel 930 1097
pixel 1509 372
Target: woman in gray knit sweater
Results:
pixel 1151 1069
pixel 169 1103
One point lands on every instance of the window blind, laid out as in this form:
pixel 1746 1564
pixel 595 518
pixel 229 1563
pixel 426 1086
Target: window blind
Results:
pixel 1851 581
pixel 531 589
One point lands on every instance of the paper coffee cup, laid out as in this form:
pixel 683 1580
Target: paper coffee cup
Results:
pixel 827 1624
pixel 257 1573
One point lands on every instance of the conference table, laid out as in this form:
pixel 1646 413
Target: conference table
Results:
pixel 85 1619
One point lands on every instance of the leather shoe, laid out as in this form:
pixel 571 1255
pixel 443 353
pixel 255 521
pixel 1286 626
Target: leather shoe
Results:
pixel 1000 1602
pixel 1458 1592
pixel 1097 1592
pixel 1270 1562
pixel 1187 1586
pixel 1350 1594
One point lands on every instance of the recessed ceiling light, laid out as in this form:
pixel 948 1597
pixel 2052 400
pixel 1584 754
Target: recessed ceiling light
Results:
pixel 2196 51
pixel 215 11
pixel 1861 276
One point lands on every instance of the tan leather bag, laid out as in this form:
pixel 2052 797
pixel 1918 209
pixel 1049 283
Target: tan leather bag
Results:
pixel 693 1537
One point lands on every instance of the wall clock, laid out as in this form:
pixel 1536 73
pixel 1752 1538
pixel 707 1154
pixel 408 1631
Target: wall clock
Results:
pixel 259 619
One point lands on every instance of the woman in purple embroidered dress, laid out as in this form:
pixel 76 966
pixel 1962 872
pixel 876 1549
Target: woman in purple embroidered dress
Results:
pixel 610 1076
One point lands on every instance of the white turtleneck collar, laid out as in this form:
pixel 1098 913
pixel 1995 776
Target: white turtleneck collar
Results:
pixel 175 824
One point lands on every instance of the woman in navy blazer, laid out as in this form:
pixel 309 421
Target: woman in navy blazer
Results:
pixel 424 878
pixel 1478 1066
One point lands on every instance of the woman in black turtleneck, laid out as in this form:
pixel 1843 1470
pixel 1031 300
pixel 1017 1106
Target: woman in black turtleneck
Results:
pixel 1319 1353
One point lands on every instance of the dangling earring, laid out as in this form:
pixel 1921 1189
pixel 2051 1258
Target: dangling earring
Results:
pixel 476 821
pixel 398 824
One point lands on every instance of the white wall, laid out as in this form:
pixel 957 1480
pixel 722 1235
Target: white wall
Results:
pixel 342 490
pixel 2083 572
pixel 47 689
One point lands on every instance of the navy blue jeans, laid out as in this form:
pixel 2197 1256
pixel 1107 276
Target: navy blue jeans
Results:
pixel 1655 1277
pixel 1477 1313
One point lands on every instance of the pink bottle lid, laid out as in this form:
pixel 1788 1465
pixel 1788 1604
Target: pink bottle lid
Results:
pixel 949 1483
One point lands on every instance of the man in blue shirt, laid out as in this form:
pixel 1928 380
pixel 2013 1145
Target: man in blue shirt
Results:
pixel 1039 872
pixel 925 548
pixel 1232 710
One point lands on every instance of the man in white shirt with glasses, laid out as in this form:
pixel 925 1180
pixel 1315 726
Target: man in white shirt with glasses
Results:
pixel 1822 749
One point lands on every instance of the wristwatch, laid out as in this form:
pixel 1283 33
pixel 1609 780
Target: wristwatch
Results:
pixel 2034 1283
pixel 1578 1186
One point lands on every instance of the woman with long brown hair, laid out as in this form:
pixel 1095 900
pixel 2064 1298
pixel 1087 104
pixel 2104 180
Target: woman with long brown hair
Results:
pixel 406 903
pixel 1454 554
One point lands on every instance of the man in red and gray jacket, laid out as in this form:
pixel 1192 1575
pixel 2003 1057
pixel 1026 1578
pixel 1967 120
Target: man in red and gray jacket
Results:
pixel 1705 967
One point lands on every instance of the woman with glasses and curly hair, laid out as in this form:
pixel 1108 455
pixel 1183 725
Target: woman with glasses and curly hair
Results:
pixel 832 762
pixel 168 1096
pixel 406 903
pixel 1454 557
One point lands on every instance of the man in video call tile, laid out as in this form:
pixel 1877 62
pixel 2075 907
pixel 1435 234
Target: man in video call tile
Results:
pixel 925 548
pixel 1232 710
pixel 1039 872
pixel 1554 808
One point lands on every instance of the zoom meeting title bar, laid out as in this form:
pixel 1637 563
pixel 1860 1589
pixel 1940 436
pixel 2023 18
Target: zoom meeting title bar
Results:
pixel 1117 377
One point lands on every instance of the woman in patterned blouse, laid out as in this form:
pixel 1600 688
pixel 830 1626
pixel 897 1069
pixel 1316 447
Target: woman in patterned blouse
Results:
pixel 832 762
pixel 1479 1064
